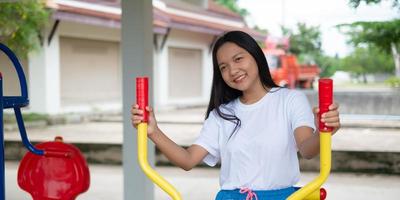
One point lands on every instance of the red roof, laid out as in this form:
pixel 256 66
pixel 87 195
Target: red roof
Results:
pixel 161 19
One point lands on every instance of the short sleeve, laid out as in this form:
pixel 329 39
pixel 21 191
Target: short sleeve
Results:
pixel 300 111
pixel 208 139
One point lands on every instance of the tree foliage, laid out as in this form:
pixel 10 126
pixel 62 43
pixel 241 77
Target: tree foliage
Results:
pixel 306 43
pixel 328 64
pixel 367 60
pixel 384 35
pixel 380 34
pixel 356 3
pixel 261 30
pixel 21 24
pixel 233 6
pixel 305 40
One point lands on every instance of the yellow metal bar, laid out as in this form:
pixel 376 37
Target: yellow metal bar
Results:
pixel 325 168
pixel 153 175
pixel 315 195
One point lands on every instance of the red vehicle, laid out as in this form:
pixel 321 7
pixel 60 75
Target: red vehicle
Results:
pixel 286 71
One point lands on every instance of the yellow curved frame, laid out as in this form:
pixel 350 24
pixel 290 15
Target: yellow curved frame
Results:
pixel 311 190
pixel 144 164
pixel 308 192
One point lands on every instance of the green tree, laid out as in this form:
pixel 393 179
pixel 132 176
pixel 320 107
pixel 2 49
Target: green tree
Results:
pixel 261 30
pixel 367 60
pixel 356 3
pixel 328 64
pixel 305 41
pixel 21 24
pixel 384 35
pixel 233 6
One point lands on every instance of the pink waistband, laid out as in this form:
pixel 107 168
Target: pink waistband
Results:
pixel 250 193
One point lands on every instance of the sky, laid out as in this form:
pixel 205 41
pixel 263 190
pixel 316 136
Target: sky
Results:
pixel 326 14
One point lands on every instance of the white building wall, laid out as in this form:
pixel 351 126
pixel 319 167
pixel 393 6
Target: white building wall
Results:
pixel 91 75
pixel 98 97
pixel 45 78
pixel 71 29
pixel 161 78
pixel 188 40
pixel 154 84
pixel 44 81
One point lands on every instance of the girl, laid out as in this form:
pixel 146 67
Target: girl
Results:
pixel 253 127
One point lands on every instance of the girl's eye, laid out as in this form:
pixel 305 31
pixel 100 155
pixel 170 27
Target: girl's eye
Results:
pixel 238 59
pixel 222 67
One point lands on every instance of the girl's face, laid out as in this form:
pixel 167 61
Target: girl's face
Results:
pixel 238 67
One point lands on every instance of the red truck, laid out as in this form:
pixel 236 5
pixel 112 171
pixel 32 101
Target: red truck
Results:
pixel 286 71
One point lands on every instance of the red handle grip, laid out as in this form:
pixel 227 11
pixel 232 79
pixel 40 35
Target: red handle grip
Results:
pixel 142 95
pixel 325 100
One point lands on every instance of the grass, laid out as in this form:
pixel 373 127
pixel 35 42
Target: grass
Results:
pixel 30 117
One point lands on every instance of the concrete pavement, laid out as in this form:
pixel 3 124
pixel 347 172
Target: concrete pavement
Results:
pixel 374 139
pixel 202 184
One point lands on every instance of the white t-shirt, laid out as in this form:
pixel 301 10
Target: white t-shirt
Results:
pixel 262 154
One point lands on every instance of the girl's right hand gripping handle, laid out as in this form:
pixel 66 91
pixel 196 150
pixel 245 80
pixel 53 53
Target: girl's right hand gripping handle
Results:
pixel 142 86
pixel 325 100
pixel 312 190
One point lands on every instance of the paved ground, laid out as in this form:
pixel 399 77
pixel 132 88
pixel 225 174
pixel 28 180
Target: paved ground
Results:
pixel 202 184
pixel 368 133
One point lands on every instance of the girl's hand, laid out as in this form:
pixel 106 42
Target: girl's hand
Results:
pixel 137 117
pixel 330 118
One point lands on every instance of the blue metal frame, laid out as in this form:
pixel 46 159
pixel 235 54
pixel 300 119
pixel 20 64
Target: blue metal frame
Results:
pixel 16 102
pixel 2 165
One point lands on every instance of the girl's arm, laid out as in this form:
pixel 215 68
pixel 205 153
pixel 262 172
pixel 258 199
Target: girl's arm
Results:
pixel 184 158
pixel 307 141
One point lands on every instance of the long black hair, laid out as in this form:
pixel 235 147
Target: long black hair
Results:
pixel 221 93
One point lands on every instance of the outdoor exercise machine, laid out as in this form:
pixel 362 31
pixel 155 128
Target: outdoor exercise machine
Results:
pixel 50 170
pixel 142 99
pixel 311 191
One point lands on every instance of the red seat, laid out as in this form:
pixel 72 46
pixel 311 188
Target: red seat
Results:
pixel 61 174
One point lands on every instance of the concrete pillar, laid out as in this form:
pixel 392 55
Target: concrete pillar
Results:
pixel 137 60
pixel 44 78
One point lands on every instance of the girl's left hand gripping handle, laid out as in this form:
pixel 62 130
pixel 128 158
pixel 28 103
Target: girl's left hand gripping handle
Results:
pixel 142 96
pixel 142 99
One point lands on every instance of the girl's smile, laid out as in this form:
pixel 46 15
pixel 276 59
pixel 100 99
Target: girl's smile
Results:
pixel 239 78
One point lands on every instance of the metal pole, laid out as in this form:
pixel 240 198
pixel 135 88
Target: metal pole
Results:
pixel 137 60
pixel 2 165
pixel 312 189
